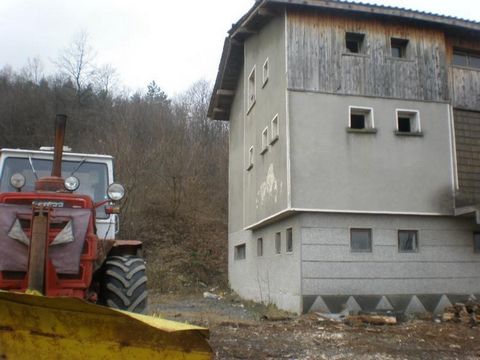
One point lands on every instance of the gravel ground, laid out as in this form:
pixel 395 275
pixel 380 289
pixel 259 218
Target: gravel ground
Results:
pixel 243 330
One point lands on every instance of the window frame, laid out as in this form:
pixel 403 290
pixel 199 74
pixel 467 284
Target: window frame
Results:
pixel 240 255
pixel 251 157
pixel 265 72
pixel 416 247
pixel 467 53
pixel 402 44
pixel 369 122
pixel 251 89
pixel 370 238
pixel 275 131
pixel 359 38
pixel 414 115
pixel 265 141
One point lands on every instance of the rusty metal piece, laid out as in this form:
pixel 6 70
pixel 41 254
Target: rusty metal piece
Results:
pixel 60 124
pixel 50 183
pixel 38 251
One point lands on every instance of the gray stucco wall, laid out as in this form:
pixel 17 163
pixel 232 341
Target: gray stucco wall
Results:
pixel 333 169
pixel 266 183
pixel 444 264
pixel 271 278
pixel 236 165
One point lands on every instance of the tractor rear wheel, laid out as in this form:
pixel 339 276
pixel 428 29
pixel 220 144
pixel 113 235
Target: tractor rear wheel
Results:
pixel 125 283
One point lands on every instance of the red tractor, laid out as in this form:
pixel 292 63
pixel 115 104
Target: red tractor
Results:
pixel 58 221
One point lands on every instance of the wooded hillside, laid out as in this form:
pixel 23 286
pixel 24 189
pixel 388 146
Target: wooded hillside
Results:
pixel 170 157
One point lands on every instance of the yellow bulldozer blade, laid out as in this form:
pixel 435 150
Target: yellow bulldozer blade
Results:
pixel 39 327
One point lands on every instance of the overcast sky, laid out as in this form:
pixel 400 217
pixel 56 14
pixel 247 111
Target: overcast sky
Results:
pixel 172 42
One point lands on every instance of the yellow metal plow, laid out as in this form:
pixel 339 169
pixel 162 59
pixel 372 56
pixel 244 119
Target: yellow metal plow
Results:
pixel 40 327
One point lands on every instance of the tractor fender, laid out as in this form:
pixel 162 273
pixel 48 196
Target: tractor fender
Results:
pixel 126 247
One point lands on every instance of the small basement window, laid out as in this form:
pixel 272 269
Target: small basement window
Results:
pixel 289 247
pixel 266 73
pixel 240 252
pixel 278 243
pixel 251 89
pixel 399 47
pixel 466 58
pixel 275 132
pixel 476 242
pixel 354 42
pixel 408 122
pixel 250 158
pixel 361 118
pixel 407 240
pixel 361 240
pixel 264 141
pixel 260 247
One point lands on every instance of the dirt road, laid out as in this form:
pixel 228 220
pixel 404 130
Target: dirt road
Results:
pixel 240 331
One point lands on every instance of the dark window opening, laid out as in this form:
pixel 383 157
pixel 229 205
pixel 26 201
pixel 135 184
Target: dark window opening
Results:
pixel 354 42
pixel 476 242
pixel 404 124
pixel 361 240
pixel 260 247
pixel 240 252
pixel 399 47
pixel 289 240
pixel 278 243
pixel 357 121
pixel 407 240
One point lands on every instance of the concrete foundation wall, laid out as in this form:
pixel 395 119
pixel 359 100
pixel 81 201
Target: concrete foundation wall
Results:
pixel 445 263
pixel 271 278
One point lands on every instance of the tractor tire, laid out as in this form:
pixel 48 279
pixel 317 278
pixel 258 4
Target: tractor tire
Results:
pixel 125 283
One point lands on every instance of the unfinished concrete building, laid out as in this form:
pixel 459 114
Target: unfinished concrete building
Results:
pixel 354 156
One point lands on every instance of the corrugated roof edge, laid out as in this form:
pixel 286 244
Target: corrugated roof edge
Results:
pixel 363 7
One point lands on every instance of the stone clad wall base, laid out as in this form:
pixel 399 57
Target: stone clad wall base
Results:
pixel 404 304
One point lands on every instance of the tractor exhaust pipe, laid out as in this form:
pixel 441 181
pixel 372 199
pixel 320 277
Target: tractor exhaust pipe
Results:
pixel 60 124
pixel 54 183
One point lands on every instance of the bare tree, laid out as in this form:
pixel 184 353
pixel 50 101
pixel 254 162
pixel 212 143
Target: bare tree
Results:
pixel 106 79
pixel 33 71
pixel 76 62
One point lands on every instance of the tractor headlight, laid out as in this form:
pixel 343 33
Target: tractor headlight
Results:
pixel 17 181
pixel 116 192
pixel 71 183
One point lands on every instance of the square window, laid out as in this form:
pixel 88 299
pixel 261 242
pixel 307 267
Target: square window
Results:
pixel 399 47
pixel 407 240
pixel 240 252
pixel 476 242
pixel 264 141
pixel 275 133
pixel 361 240
pixel 266 72
pixel 361 118
pixel 260 247
pixel 354 42
pixel 251 96
pixel 278 243
pixel 289 247
pixel 250 158
pixel 408 121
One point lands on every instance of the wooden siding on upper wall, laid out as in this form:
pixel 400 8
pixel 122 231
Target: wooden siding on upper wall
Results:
pixel 467 138
pixel 318 59
pixel 465 82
